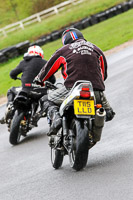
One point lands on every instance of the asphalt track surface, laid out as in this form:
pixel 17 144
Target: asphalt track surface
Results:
pixel 26 172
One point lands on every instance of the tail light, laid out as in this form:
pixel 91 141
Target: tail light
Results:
pixel 85 92
pixel 28 84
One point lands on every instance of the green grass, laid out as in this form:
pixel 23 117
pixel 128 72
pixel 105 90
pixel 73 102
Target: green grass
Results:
pixel 68 16
pixel 14 10
pixel 112 32
pixel 106 35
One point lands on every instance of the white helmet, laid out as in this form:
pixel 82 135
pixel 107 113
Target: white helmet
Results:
pixel 35 51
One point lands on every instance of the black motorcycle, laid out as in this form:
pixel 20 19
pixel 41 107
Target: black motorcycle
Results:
pixel 25 107
pixel 82 124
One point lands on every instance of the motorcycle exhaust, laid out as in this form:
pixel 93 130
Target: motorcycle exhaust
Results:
pixel 98 124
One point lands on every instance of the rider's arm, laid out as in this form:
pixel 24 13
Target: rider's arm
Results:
pixel 105 66
pixel 52 79
pixel 15 72
pixel 52 66
pixel 103 63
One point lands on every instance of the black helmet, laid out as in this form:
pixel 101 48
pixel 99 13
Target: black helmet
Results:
pixel 71 34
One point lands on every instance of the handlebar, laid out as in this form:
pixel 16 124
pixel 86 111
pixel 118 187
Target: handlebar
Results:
pixel 48 85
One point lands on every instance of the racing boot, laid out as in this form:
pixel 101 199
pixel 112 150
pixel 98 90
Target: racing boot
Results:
pixel 36 117
pixel 41 113
pixel 109 111
pixel 2 120
pixel 53 114
pixel 8 114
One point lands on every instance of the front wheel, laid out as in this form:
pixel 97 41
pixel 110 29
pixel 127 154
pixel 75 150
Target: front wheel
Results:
pixel 78 155
pixel 56 158
pixel 15 132
pixel 57 153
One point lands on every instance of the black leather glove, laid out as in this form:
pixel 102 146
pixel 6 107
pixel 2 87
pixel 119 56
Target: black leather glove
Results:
pixel 109 114
pixel 15 77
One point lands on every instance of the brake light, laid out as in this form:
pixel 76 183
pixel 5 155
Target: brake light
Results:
pixel 85 89
pixel 85 93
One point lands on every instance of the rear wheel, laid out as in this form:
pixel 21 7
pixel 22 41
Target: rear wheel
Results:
pixel 15 132
pixel 79 151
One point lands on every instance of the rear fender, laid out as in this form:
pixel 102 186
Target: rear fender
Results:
pixel 74 94
pixel 22 102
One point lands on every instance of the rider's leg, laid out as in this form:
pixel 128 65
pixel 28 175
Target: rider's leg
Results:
pixel 109 111
pixel 98 123
pixel 44 103
pixel 50 105
pixel 56 97
pixel 54 115
pixel 10 97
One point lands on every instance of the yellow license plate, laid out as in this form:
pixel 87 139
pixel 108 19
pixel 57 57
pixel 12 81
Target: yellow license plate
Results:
pixel 84 107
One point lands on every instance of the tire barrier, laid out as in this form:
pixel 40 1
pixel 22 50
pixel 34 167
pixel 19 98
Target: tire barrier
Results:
pixel 39 42
pixel 3 58
pixel 85 22
pixel 11 52
pixel 22 47
pixel 55 35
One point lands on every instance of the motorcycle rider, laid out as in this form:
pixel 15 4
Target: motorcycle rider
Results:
pixel 78 60
pixel 30 66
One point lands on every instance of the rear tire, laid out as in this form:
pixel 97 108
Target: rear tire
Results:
pixel 79 153
pixel 15 133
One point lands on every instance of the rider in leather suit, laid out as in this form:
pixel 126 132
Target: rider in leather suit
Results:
pixel 78 60
pixel 30 66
